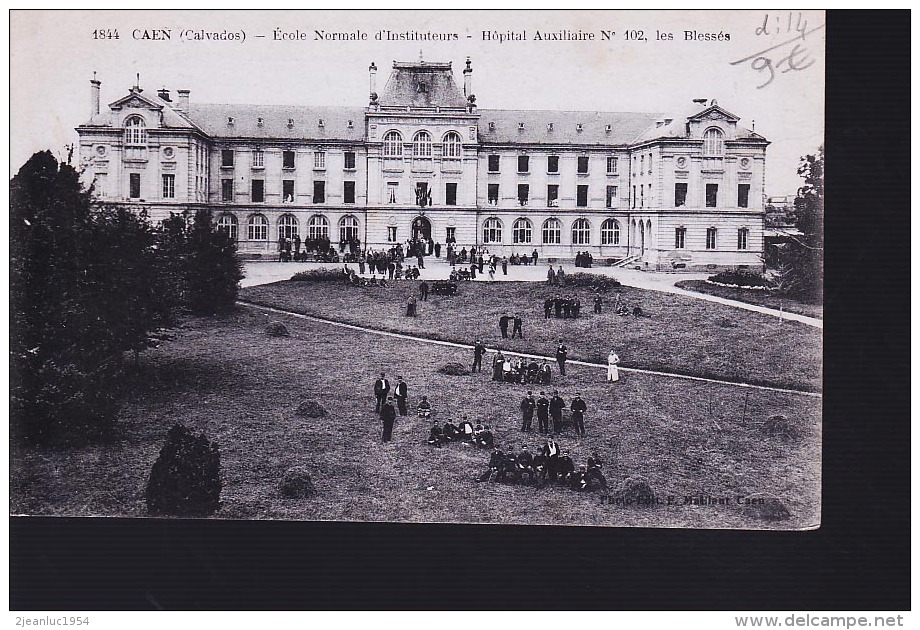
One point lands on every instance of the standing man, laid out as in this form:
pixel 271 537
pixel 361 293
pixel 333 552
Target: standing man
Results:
pixel 518 326
pixel 543 413
pixel 562 353
pixel 556 405
pixel 423 290
pixel 381 389
pixel 437 250
pixel 547 308
pixel 550 276
pixel 402 395
pixel 528 405
pixel 560 277
pixel 498 362
pixel 503 325
pixel 579 408
pixel 482 263
pixel 551 453
pixel 598 300
pixel 388 415
pixel 479 351
pixel 504 265
pixel 534 255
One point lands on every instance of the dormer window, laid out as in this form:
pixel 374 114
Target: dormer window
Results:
pixel 229 120
pixel 290 123
pixel 322 123
pixel 521 126
pixel 351 124
pixel 712 142
pixel 491 126
pixel 549 127
pixel 607 128
pixel 135 131
pixel 261 122
pixel 578 127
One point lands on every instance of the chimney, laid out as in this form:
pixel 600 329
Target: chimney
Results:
pixel 372 69
pixel 182 101
pixel 468 78
pixel 94 91
pixel 163 93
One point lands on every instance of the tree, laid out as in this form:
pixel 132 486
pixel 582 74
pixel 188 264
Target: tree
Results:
pixel 802 260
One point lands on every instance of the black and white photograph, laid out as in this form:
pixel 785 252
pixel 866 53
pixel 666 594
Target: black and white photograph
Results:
pixel 499 268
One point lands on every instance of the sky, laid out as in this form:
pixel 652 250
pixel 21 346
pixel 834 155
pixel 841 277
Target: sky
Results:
pixel 54 55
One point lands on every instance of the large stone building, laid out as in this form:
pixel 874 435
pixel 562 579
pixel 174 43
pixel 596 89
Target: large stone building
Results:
pixel 663 191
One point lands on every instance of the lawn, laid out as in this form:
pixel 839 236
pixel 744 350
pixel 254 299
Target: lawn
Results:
pixel 227 378
pixel 681 334
pixel 750 296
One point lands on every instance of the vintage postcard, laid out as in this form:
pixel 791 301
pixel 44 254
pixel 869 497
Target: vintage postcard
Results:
pixel 493 267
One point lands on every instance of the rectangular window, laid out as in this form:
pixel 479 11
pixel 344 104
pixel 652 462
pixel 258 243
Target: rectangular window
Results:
pixel 258 159
pixel 226 157
pixel 742 238
pixel 319 160
pixel 99 184
pixel 135 185
pixel 493 163
pixel 611 166
pixel 287 159
pixel 392 191
pixel 450 194
pixel 582 196
pixel 348 192
pixel 680 238
pixel 552 164
pixel 493 194
pixel 642 165
pixel 391 233
pixel 710 238
pixel 744 190
pixel 611 196
pixel 641 195
pixel 582 163
pixel 350 160
pixel 319 192
pixel 258 190
pixel 451 235
pixel 226 190
pixel 712 195
pixel 680 195
pixel 552 195
pixel 523 194
pixel 287 190
pixel 169 186
pixel 523 164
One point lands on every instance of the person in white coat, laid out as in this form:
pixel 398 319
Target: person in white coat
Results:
pixel 613 373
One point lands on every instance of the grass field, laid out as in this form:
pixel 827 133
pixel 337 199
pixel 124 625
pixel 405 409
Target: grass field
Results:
pixel 760 298
pixel 681 334
pixel 227 378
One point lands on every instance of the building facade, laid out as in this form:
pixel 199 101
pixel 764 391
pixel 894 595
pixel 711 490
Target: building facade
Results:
pixel 423 161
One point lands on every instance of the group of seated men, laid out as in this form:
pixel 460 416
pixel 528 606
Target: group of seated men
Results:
pixel 517 370
pixel 544 467
pixel 465 432
pixel 561 307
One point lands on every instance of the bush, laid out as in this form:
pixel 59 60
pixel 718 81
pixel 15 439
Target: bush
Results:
pixel 454 369
pixel 311 409
pixel 319 275
pixel 296 483
pixel 185 479
pixel 765 507
pixel 741 278
pixel 594 281
pixel 635 491
pixel 277 329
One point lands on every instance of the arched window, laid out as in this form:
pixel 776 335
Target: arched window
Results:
pixel 392 144
pixel 452 145
pixel 522 231
pixel 227 223
pixel 610 232
pixel 421 145
pixel 135 131
pixel 581 232
pixel 712 142
pixel 348 228
pixel 287 226
pixel 492 230
pixel 258 228
pixel 318 227
pixel 552 232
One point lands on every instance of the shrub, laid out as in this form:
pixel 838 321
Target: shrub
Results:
pixel 185 479
pixel 741 278
pixel 311 409
pixel 765 507
pixel 296 483
pixel 277 329
pixel 319 275
pixel 635 491
pixel 454 369
pixel 594 281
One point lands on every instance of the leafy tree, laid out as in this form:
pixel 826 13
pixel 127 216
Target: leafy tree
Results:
pixel 802 261
pixel 213 269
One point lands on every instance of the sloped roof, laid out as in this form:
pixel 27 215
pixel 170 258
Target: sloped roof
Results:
pixel 213 120
pixel 624 126
pixel 172 119
pixel 422 84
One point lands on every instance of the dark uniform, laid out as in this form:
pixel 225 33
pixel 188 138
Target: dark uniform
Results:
pixel 518 327
pixel 423 290
pixel 562 353
pixel 578 415
pixel 528 406
pixel 503 325
pixel 547 308
pixel 479 351
pixel 388 415
pixel 556 405
pixel 402 394
pixel 543 413
pixel 381 389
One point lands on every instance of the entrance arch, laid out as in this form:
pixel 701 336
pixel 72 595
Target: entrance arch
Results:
pixel 421 229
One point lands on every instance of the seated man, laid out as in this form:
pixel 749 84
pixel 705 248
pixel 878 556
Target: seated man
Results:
pixel 578 481
pixel 466 430
pixel 484 437
pixel 496 462
pixel 594 472
pixel 533 372
pixel 436 435
pixel 450 432
pixel 525 464
pixel 546 373
pixel 424 408
pixel 539 467
pixel 566 467
pixel 509 467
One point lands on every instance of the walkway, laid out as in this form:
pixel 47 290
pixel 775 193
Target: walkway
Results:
pixel 451 344
pixel 260 272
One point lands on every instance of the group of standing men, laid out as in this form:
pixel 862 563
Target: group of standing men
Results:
pixel 385 402
pixel 546 408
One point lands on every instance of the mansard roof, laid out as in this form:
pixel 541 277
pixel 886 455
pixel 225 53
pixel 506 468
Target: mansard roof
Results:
pixel 422 84
pixel 282 122
pixel 503 126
